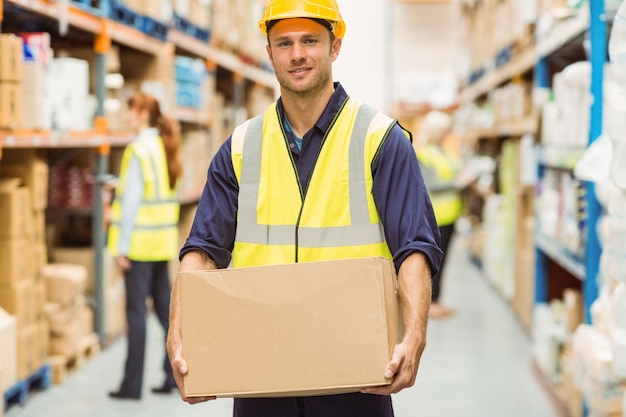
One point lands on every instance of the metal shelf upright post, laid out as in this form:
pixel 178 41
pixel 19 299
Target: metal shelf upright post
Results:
pixel 102 47
pixel 541 76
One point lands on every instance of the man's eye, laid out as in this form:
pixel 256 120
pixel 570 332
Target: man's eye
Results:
pixel 310 41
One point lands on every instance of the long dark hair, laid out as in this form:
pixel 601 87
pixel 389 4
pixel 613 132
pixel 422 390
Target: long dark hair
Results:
pixel 169 130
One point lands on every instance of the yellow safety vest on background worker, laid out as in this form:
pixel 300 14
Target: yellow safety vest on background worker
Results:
pixel 337 219
pixel 444 167
pixel 155 232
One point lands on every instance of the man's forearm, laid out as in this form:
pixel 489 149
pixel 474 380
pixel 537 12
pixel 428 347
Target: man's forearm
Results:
pixel 414 281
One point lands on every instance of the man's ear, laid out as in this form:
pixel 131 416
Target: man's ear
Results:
pixel 335 48
pixel 269 54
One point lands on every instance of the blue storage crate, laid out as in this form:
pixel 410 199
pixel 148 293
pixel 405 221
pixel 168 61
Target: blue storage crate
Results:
pixel 183 25
pixel 189 70
pixel 120 13
pixel 154 28
pixel 188 94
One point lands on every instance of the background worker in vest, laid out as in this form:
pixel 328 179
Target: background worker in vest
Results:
pixel 143 235
pixel 289 169
pixel 440 168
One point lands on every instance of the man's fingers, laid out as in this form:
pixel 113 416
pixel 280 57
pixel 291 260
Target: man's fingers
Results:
pixel 394 364
pixel 180 365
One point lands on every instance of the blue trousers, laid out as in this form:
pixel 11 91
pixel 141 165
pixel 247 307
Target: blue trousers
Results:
pixel 342 405
pixel 143 280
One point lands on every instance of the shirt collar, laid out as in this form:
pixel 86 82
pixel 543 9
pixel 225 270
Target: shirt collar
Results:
pixel 151 131
pixel 332 108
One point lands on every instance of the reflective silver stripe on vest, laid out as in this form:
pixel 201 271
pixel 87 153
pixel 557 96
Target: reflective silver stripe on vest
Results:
pixel 248 229
pixel 360 232
pixel 137 227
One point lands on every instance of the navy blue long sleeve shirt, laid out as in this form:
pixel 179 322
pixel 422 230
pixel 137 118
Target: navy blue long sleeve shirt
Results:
pixel 398 187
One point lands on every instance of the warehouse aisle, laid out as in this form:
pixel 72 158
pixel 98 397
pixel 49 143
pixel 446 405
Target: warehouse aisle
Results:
pixel 476 365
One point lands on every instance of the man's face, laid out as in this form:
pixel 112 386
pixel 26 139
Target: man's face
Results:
pixel 301 52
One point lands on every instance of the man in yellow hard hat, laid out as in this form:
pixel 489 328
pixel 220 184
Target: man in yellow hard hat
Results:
pixel 317 176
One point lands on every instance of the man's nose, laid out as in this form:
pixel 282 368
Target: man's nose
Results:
pixel 298 53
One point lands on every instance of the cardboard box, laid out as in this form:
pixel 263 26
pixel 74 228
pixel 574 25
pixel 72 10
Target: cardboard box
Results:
pixel 11 57
pixel 115 310
pixel 10 105
pixel 34 114
pixel 15 209
pixel 15 260
pixel 33 78
pixel 85 256
pixel 24 300
pixel 64 282
pixel 8 350
pixel 301 329
pixel 34 173
pixel 32 349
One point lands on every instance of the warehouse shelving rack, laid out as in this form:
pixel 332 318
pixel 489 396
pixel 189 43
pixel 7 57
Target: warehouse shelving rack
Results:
pixel 591 21
pixel 105 32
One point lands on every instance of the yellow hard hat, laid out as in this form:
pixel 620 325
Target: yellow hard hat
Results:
pixel 313 9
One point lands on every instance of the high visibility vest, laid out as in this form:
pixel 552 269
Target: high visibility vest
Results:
pixel 155 231
pixel 336 219
pixel 447 204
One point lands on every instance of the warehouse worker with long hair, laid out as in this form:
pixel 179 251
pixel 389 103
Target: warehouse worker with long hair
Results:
pixel 336 173
pixel 143 236
pixel 440 168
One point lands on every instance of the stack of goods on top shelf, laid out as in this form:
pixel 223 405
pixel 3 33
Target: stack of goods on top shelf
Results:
pixel 193 17
pixel 235 29
pixel 499 30
pixel 39 91
pixel 23 186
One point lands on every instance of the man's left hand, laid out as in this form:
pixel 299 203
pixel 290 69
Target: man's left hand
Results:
pixel 402 368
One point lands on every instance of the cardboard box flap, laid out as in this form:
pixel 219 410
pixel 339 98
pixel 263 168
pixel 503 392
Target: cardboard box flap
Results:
pixel 309 328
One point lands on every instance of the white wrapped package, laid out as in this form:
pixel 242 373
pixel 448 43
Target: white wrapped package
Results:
pixel 618 329
pixel 593 372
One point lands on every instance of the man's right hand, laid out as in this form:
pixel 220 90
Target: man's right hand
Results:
pixel 179 368
pixel 193 261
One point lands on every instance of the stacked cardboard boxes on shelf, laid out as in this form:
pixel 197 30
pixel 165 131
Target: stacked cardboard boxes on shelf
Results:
pixel 66 309
pixel 22 255
pixel 114 291
pixel 10 80
pixel 498 26
pixel 235 28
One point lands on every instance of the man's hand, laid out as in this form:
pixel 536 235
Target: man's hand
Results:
pixel 193 261
pixel 402 368
pixel 414 281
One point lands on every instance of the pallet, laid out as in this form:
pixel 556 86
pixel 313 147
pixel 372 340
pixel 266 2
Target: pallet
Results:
pixel 62 366
pixel 41 379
